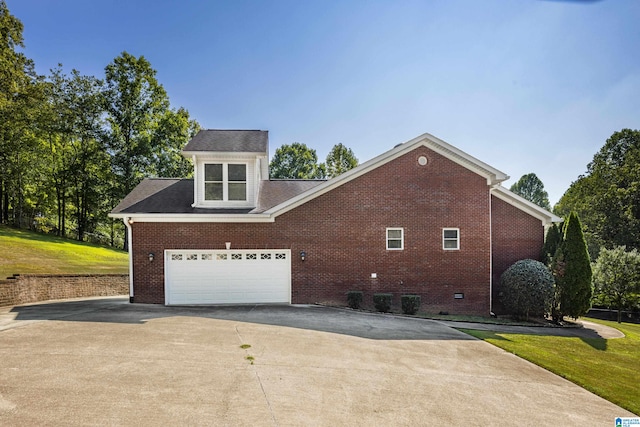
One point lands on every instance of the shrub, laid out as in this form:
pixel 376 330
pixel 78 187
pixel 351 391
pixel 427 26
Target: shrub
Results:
pixel 410 303
pixel 526 289
pixel 354 299
pixel 382 302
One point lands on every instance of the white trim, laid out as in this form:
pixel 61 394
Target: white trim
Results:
pixel 130 248
pixel 250 184
pixel 524 205
pixel 149 217
pixel 401 229
pixel 449 239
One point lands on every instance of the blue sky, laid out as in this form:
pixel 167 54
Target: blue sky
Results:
pixel 524 85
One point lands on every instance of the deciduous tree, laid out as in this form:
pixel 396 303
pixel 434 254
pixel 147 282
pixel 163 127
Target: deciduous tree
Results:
pixel 616 278
pixel 20 97
pixel 339 160
pixel 175 128
pixel 531 188
pixel 607 197
pixel 296 161
pixel 135 103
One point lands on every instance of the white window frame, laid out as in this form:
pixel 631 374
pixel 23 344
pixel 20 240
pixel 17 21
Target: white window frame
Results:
pixel 225 182
pixel 450 239
pixel 387 239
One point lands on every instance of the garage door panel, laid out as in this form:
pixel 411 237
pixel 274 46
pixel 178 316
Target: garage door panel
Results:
pixel 218 277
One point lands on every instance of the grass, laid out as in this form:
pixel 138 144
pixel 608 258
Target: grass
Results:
pixel 478 319
pixel 23 252
pixel 608 368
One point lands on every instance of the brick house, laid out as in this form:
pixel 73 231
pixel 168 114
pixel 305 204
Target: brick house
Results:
pixel 423 218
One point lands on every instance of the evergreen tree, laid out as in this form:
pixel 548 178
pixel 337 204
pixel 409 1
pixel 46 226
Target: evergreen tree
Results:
pixel 551 242
pixel 572 269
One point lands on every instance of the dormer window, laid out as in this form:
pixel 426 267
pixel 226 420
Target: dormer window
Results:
pixel 225 182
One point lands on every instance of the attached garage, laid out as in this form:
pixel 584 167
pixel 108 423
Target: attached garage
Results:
pixel 227 276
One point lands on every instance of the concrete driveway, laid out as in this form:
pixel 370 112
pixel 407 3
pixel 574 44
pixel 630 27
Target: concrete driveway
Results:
pixel 108 362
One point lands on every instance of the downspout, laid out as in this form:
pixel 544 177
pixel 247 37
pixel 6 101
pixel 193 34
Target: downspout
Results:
pixel 491 249
pixel 127 223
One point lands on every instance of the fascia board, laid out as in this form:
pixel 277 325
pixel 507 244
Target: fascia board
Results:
pixel 492 175
pixel 525 205
pixel 222 154
pixel 236 218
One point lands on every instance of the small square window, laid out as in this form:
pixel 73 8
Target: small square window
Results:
pixel 395 239
pixel 450 239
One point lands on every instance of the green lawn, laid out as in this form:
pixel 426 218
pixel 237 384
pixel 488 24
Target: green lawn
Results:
pixel 26 252
pixel 608 368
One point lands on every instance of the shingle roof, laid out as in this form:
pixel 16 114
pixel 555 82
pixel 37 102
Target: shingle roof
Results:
pixel 251 141
pixel 175 196
pixel 274 192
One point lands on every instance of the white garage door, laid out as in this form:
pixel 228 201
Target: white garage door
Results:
pixel 227 276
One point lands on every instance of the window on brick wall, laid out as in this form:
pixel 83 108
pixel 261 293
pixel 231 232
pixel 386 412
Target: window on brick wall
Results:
pixel 450 239
pixel 395 239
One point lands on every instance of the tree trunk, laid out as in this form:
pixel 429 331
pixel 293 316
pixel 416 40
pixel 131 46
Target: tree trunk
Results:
pixel 2 201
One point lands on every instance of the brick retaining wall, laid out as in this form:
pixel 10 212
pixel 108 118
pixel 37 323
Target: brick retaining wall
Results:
pixel 27 288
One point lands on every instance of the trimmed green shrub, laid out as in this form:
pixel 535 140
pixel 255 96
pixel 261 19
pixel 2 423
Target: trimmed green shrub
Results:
pixel 382 302
pixel 410 303
pixel 354 299
pixel 526 289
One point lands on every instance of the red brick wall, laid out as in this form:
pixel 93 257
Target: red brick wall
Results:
pixel 516 235
pixel 343 234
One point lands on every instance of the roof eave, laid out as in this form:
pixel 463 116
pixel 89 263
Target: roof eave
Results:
pixel 525 205
pixel 210 153
pixel 192 217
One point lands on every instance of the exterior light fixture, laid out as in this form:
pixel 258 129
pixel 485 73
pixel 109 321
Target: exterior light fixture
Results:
pixel 130 220
pixel 303 255
pixel 151 256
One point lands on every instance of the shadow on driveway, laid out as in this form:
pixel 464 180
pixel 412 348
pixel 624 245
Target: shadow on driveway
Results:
pixel 317 318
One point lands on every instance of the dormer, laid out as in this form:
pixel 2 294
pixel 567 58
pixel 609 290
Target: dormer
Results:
pixel 228 166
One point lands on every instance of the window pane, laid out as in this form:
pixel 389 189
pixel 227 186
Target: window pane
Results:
pixel 394 244
pixel 394 234
pixel 213 172
pixel 451 244
pixel 213 191
pixel 237 172
pixel 237 191
pixel 450 234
